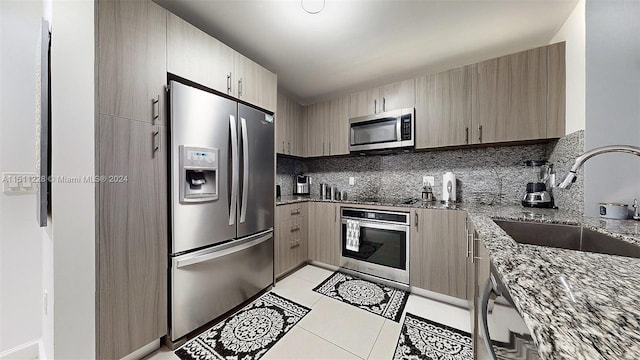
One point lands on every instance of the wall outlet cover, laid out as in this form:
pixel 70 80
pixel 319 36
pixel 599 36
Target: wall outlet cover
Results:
pixel 352 180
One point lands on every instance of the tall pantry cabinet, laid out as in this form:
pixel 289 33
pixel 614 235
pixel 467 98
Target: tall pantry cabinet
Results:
pixel 131 239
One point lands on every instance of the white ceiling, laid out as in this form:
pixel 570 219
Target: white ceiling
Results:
pixel 356 44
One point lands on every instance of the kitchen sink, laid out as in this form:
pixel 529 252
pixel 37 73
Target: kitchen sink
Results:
pixel 570 237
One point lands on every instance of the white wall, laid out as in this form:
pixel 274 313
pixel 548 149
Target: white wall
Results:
pixel 573 32
pixel 73 151
pixel 612 100
pixel 20 237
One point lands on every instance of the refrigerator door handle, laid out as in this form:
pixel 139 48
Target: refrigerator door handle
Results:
pixel 214 254
pixel 245 174
pixel 234 170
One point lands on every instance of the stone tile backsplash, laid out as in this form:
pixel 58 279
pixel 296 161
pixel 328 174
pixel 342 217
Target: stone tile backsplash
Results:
pixel 491 175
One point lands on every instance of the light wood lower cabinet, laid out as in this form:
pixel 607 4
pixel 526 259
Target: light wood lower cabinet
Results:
pixel 438 252
pixel 132 236
pixel 324 232
pixel 291 234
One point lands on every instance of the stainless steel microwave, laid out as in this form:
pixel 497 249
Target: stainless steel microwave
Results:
pixel 387 130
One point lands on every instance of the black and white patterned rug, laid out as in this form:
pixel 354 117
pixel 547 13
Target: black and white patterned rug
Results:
pixel 249 333
pixel 424 339
pixel 379 299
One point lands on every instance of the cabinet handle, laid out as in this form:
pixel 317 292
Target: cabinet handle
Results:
pixel 335 214
pixel 323 149
pixel 240 88
pixel 480 133
pixel 289 144
pixel 295 211
pixel 295 228
pixel 467 230
pixel 155 109
pixel 416 220
pixel 294 243
pixel 155 142
pixel 229 84
pixel 375 106
pixel 329 148
pixel 283 147
pixel 466 135
pixel 472 250
pixel 384 104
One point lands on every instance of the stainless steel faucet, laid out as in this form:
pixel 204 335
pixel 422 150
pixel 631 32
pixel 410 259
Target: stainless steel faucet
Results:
pixel 571 176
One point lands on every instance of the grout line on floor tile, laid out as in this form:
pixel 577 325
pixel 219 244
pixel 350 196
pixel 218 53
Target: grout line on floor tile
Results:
pixel 377 337
pixel 327 340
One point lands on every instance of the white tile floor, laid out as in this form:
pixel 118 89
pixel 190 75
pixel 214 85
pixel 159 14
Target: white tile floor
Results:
pixel 335 330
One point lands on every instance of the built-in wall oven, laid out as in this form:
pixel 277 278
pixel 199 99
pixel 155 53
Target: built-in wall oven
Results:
pixel 376 242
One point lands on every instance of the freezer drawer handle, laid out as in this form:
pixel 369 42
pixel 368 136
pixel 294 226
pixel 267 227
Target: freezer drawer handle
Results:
pixel 217 254
pixel 234 170
pixel 245 179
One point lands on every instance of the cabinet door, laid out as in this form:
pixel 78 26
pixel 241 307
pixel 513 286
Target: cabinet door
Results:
pixel 337 134
pixel 443 108
pixel 296 130
pixel 399 95
pixel 557 90
pixel 132 236
pixel 510 97
pixel 364 103
pixel 324 242
pixel 132 60
pixel 283 124
pixel 438 254
pixel 314 144
pixel 196 56
pixel 255 84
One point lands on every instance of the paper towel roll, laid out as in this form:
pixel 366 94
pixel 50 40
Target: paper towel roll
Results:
pixel 449 186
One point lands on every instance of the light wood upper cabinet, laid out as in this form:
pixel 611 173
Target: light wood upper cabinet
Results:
pixel 557 90
pixel 438 253
pixel 289 129
pixel 132 237
pixel 324 232
pixel 338 134
pixel 327 127
pixel 255 84
pixel 510 97
pixel 389 97
pixel 132 60
pixel 399 95
pixel 443 108
pixel 314 129
pixel 194 55
pixel 364 102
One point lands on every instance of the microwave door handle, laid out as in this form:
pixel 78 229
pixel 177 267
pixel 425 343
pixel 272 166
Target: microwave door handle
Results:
pixel 234 169
pixel 398 129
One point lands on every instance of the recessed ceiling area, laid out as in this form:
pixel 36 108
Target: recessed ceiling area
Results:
pixel 352 45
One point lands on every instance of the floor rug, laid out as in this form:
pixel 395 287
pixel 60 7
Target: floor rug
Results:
pixel 424 339
pixel 379 299
pixel 249 333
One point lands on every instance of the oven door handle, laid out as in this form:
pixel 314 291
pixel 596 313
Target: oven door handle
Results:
pixel 382 226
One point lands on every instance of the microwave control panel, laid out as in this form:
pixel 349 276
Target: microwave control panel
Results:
pixel 405 123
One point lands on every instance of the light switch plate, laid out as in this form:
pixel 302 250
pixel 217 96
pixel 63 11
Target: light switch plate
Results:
pixel 18 183
pixel 352 180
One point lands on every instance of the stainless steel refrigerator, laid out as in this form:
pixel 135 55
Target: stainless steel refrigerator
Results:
pixel 222 203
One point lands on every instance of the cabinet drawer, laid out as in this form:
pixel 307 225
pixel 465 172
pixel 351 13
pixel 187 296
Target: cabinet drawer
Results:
pixel 291 211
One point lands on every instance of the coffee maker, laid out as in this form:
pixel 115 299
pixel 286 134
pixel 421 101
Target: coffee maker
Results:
pixel 302 185
pixel 537 195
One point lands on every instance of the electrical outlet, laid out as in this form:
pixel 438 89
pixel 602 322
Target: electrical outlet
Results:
pixel 352 180
pixel 428 181
pixel 19 183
